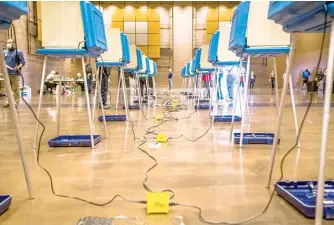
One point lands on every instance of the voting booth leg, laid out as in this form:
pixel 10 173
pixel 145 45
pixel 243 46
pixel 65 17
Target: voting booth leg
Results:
pixel 182 84
pixel 237 95
pixel 88 103
pixel 99 84
pixel 94 99
pixel 147 87
pixel 325 124
pixel 189 82
pixel 244 102
pixel 59 95
pixel 213 93
pixel 281 108
pixel 154 93
pixel 16 124
pixel 292 96
pixel 124 93
pixel 199 89
pixel 276 84
pixel 118 90
pixel 40 102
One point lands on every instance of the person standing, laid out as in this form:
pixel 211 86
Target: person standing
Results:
pixel 170 79
pixel 89 77
pixel 104 86
pixel 242 81
pixel 305 76
pixel 272 79
pixel 206 78
pixel 230 86
pixel 14 63
pixel 252 80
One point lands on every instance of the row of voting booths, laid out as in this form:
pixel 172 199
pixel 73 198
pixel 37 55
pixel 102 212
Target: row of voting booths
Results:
pixel 258 29
pixel 78 33
pixel 81 33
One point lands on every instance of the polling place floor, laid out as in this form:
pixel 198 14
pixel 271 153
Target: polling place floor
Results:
pixel 227 183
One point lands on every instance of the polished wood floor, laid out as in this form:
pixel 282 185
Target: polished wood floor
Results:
pixel 227 183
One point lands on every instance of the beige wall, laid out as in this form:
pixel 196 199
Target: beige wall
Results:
pixel 182 20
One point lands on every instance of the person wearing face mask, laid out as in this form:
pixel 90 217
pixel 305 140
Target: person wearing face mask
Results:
pixel 14 63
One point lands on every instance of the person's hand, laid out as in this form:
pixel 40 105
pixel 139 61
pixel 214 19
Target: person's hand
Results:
pixel 17 68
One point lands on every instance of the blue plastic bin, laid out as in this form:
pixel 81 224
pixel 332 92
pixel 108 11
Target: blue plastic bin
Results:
pixel 133 106
pixel 226 118
pixel 73 141
pixel 255 138
pixel 203 106
pixel 113 118
pixel 303 195
pixel 5 201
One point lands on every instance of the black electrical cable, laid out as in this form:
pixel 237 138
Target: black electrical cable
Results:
pixel 45 170
pixel 282 160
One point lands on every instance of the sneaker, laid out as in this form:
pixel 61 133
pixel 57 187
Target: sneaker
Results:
pixel 106 106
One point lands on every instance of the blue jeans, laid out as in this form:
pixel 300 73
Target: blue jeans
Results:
pixel 230 85
pixel 170 83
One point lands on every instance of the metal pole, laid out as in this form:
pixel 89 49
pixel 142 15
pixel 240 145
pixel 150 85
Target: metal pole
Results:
pixel 212 93
pixel 147 87
pixel 88 103
pixel 325 124
pixel 292 96
pixel 59 95
pixel 16 124
pixel 281 109
pixel 276 84
pixel 154 93
pixel 98 84
pixel 118 90
pixel 40 101
pixel 94 99
pixel 244 103
pixel 124 93
pixel 199 90
pixel 235 100
pixel 139 88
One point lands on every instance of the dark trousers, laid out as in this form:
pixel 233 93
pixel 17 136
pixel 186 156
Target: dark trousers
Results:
pixel 252 82
pixel 89 84
pixel 142 84
pixel 104 88
pixel 272 82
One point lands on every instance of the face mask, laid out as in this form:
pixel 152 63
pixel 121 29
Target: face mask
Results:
pixel 9 46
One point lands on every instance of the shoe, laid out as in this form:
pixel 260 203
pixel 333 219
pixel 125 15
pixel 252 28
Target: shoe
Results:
pixel 7 106
pixel 106 106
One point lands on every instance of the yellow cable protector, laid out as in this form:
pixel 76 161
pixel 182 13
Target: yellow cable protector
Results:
pixel 161 138
pixel 157 202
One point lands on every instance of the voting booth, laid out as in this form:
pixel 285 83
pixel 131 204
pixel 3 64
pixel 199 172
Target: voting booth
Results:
pixel 78 32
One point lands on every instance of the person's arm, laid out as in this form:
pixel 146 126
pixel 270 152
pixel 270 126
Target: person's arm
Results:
pixel 21 60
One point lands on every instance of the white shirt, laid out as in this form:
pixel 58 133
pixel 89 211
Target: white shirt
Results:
pixel 51 76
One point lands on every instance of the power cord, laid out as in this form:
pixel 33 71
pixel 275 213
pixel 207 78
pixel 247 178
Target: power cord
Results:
pixel 282 161
pixel 47 172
